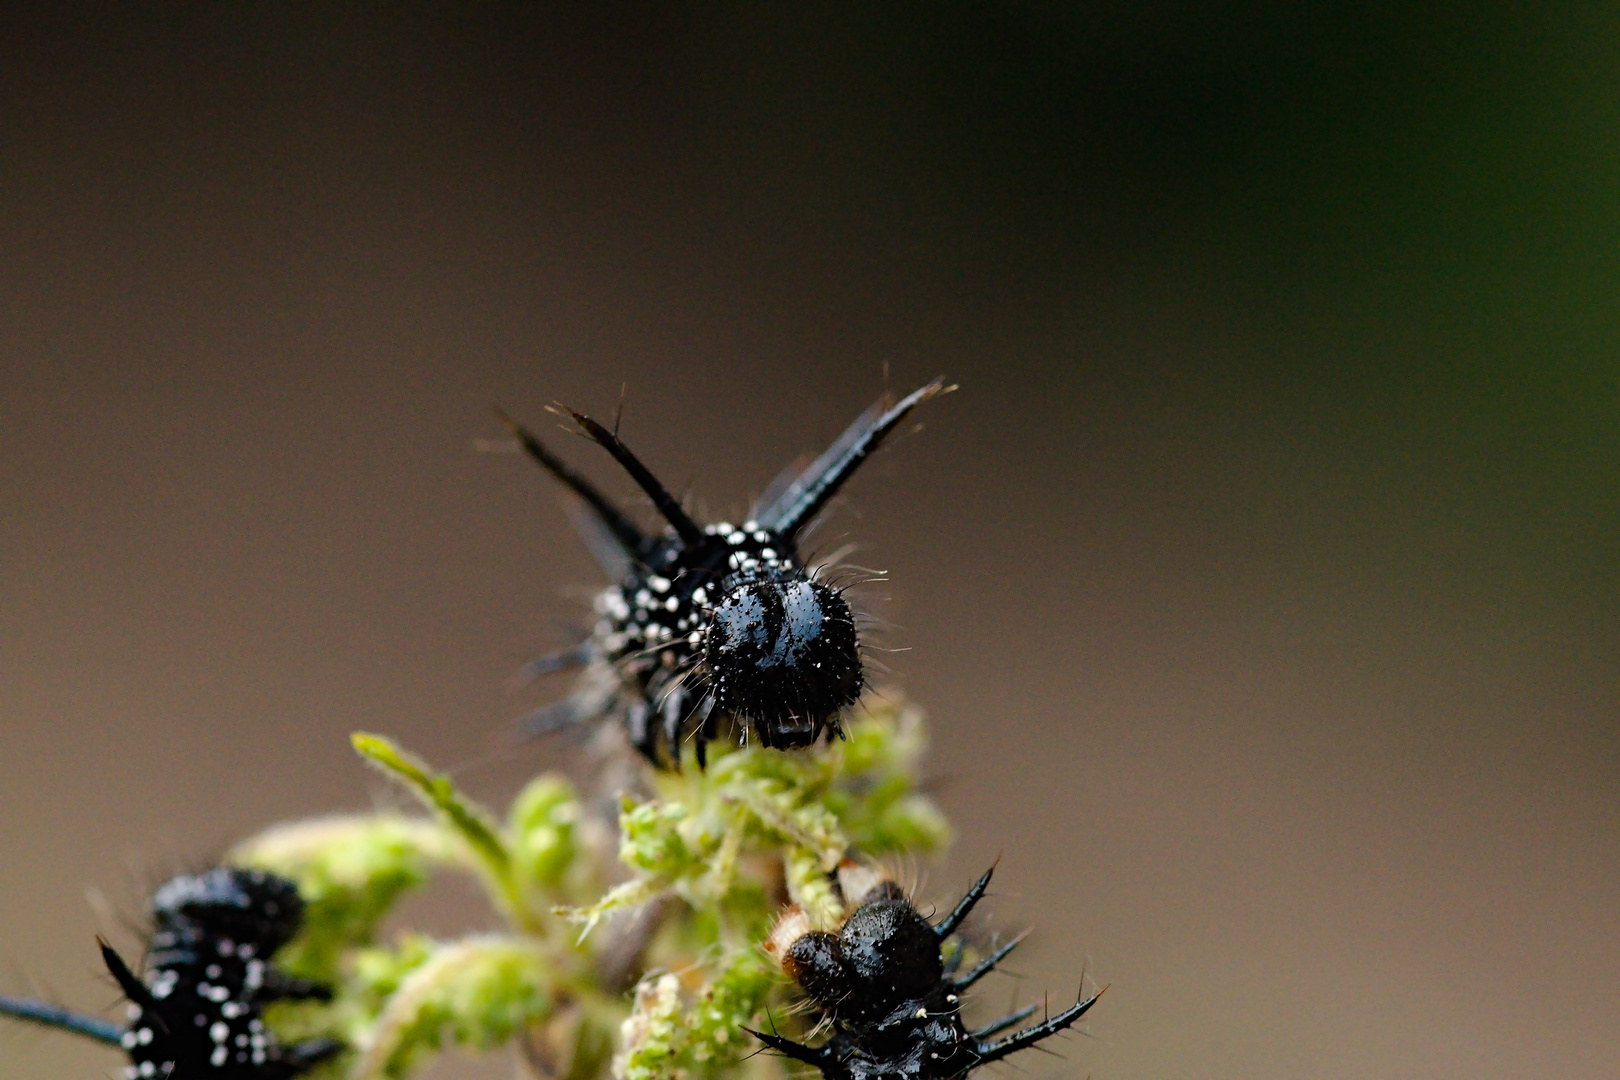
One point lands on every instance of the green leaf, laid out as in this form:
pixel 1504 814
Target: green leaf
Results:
pixel 475 825
pixel 628 894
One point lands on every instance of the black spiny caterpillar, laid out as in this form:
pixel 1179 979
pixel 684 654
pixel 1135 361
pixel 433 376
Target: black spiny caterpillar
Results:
pixel 208 977
pixel 720 620
pixel 892 998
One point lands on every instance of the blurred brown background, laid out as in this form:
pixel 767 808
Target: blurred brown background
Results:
pixel 1261 581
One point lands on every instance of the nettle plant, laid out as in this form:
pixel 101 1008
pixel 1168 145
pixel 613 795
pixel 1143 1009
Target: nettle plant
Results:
pixel 648 961
pixel 744 923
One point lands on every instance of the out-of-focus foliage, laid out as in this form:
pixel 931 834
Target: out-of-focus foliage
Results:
pixel 652 977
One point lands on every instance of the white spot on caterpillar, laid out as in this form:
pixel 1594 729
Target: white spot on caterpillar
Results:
pixel 164 982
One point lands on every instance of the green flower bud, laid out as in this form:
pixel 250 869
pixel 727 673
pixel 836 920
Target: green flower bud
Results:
pixel 542 825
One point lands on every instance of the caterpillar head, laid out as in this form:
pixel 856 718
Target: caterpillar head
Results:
pixel 249 906
pixel 782 654
pixel 883 955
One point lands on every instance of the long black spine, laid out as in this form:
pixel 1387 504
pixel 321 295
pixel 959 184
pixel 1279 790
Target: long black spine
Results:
pixel 994 1051
pixel 808 496
pixel 54 1016
pixel 623 529
pixel 688 530
pixel 948 925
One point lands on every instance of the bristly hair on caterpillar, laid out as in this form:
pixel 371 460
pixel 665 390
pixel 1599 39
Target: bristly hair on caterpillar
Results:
pixel 890 993
pixel 208 977
pixel 719 621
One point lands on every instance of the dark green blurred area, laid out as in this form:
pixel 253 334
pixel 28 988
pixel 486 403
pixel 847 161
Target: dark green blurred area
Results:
pixel 1396 223
pixel 1408 211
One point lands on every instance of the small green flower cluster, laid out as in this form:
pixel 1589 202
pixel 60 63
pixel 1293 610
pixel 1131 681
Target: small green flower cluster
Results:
pixel 645 966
